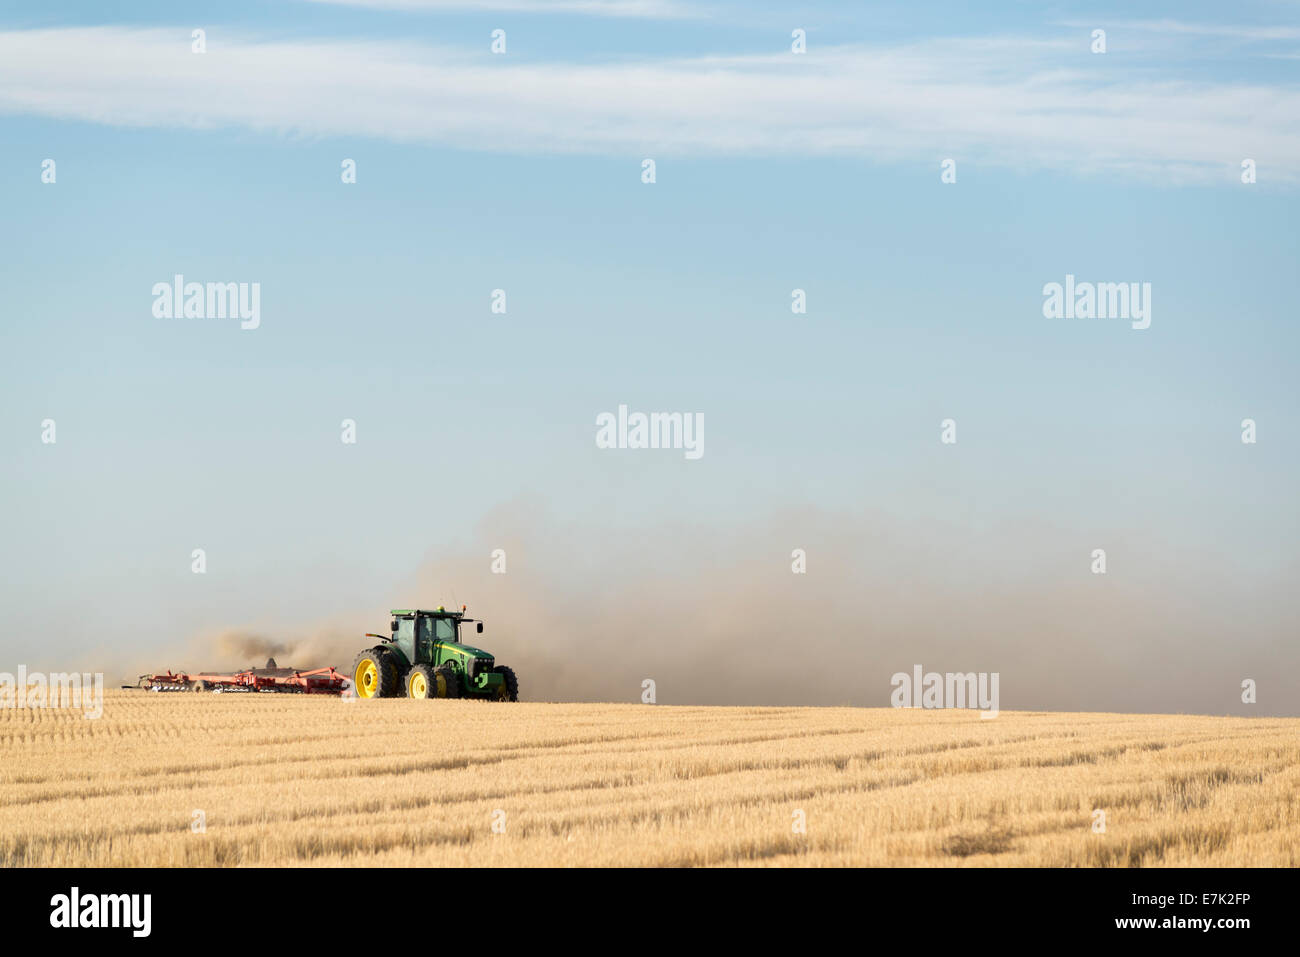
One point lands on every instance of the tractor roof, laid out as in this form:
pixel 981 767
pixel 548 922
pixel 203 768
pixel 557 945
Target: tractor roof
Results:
pixel 425 611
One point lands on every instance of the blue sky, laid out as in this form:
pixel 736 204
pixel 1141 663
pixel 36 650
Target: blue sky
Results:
pixel 522 172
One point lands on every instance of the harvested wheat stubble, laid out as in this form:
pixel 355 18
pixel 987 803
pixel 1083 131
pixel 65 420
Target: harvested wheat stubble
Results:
pixel 302 780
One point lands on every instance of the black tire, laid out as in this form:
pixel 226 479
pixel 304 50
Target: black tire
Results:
pixel 447 682
pixel 419 682
pixel 387 682
pixel 511 684
pixel 200 686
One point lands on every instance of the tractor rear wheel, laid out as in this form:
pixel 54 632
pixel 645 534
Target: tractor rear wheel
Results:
pixel 508 690
pixel 446 683
pixel 374 674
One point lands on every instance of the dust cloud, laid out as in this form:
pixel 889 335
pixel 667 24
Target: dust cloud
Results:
pixel 715 615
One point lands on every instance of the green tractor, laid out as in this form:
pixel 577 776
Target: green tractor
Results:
pixel 426 658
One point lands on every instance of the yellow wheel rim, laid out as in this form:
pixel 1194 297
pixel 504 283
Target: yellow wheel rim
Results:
pixel 442 685
pixel 503 693
pixel 418 688
pixel 366 679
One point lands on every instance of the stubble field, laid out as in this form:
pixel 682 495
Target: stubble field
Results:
pixel 294 780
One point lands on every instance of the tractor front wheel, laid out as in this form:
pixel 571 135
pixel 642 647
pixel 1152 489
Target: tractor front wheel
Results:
pixel 374 675
pixel 508 690
pixel 419 682
pixel 425 682
pixel 446 683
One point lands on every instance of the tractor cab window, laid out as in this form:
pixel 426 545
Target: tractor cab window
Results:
pixel 436 629
pixel 424 637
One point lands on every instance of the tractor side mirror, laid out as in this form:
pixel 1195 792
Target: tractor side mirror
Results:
pixel 392 625
pixel 479 627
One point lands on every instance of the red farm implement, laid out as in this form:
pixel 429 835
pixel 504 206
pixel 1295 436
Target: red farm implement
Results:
pixel 270 678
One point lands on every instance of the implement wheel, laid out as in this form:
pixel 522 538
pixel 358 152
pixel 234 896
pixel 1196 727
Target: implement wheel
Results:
pixel 374 675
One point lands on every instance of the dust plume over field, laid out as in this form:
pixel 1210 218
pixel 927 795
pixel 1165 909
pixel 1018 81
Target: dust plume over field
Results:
pixel 714 615
pixel 312 780
pixel 241 646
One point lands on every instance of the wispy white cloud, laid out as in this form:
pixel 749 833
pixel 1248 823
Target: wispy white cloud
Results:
pixel 1006 101
pixel 1234 31
pixel 657 9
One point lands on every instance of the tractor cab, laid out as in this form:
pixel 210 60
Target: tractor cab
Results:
pixel 438 637
pixel 421 630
